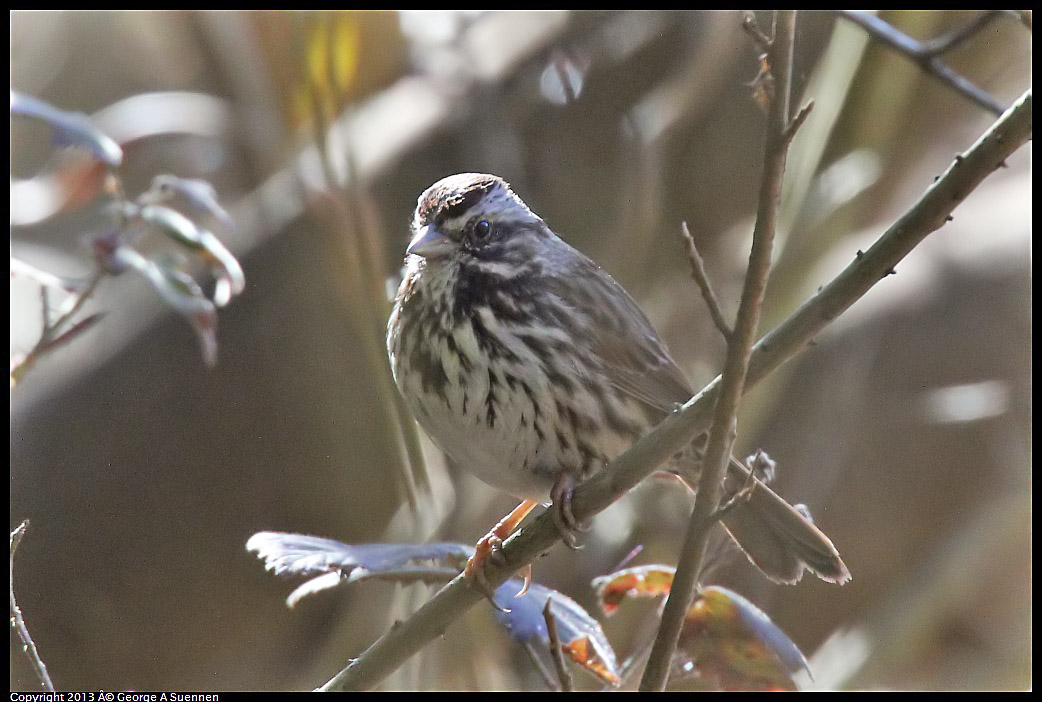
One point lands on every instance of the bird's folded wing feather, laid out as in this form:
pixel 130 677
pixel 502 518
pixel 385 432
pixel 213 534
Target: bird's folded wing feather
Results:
pixel 622 341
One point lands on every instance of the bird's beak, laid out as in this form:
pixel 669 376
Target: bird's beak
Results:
pixel 430 243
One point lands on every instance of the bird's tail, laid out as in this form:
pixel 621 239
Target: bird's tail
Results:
pixel 779 539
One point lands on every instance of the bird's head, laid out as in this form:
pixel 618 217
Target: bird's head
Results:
pixel 473 216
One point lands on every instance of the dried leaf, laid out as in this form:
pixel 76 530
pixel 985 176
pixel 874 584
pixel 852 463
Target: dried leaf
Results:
pixel 763 85
pixel 581 636
pixel 174 287
pixel 332 53
pixel 230 278
pixel 325 581
pixel 642 581
pixel 730 644
pixel 199 194
pixel 70 128
pixel 726 643
pixel 300 554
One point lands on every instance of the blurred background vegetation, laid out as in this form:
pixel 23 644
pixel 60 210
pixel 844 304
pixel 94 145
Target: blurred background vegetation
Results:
pixel 905 429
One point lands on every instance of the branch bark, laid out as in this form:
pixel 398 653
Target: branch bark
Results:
pixel 925 216
pixel 698 272
pixel 926 56
pixel 18 621
pixel 564 678
pixel 739 348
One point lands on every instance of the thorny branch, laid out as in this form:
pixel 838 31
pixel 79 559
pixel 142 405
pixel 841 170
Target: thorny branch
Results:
pixel 18 621
pixel 923 217
pixel 927 54
pixel 739 349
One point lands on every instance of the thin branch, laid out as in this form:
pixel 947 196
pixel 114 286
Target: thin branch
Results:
pixel 564 678
pixel 923 55
pixel 635 660
pixel 642 459
pixel 353 226
pixel 53 331
pixel 539 665
pixel 698 272
pixel 739 349
pixel 45 310
pixel 797 121
pixel 763 43
pixel 738 498
pixel 18 621
pixel 947 42
pixel 76 304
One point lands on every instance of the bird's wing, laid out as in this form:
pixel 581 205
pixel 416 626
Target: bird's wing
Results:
pixel 612 327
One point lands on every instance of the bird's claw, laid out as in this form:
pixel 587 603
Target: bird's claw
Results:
pixel 561 511
pixel 489 548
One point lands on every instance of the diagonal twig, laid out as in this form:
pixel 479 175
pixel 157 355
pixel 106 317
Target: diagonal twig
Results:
pixel 925 56
pixel 53 330
pixel 797 121
pixel 924 216
pixel 763 43
pixel 532 649
pixel 564 678
pixel 698 272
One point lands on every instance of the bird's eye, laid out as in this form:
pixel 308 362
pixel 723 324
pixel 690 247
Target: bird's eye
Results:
pixel 482 229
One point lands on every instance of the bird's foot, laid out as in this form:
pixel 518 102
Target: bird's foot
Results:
pixel 490 549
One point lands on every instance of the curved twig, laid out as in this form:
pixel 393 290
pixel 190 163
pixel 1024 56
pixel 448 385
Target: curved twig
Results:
pixel 18 621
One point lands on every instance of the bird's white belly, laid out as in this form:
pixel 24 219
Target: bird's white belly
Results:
pixel 501 424
pixel 500 446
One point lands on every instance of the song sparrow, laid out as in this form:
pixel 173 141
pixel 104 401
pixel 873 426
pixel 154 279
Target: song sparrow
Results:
pixel 532 368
